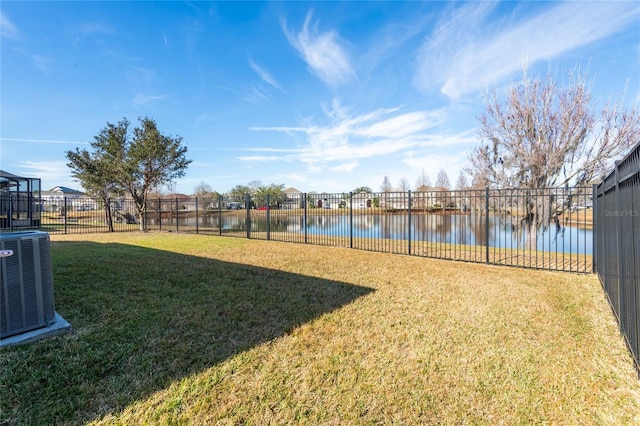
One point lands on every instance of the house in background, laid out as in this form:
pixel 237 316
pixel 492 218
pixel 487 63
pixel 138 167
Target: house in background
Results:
pixel 328 201
pixel 362 200
pixel 61 197
pixel 172 202
pixel 19 200
pixel 294 199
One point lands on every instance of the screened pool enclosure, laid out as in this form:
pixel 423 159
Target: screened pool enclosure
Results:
pixel 20 201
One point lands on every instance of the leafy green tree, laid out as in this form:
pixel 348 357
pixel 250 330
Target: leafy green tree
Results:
pixel 151 159
pixel 274 191
pixel 132 162
pixel 238 192
pixel 96 170
pixel 362 189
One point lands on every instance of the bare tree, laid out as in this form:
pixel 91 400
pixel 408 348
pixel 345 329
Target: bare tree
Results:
pixel 404 184
pixel 442 180
pixel 544 135
pixel 443 196
pixel 254 185
pixel 202 188
pixel 423 182
pixel 386 188
pixel 462 182
pixel 386 185
pixel 205 194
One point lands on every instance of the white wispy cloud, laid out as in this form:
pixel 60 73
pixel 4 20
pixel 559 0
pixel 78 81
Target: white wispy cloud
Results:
pixel 143 100
pixel 322 52
pixel 51 173
pixel 466 52
pixel 294 177
pixel 346 167
pixel 140 76
pixel 433 162
pixel 264 74
pixel 41 62
pixel 387 42
pixel 348 138
pixel 8 28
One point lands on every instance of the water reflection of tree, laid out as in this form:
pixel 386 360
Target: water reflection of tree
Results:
pixel 432 227
pixel 461 229
pixel 211 220
pixel 481 233
pixel 362 222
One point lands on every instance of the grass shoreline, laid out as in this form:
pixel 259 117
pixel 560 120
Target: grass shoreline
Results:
pixel 175 328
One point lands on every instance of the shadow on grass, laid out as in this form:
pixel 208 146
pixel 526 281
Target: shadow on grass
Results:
pixel 144 318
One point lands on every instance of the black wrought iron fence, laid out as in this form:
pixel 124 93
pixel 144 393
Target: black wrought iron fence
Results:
pixel 68 215
pixel 548 228
pixel 617 248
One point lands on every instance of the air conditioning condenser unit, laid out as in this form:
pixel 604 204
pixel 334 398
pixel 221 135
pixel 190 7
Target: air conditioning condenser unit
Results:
pixel 26 293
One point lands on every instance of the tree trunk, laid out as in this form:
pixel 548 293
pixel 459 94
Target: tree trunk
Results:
pixel 108 217
pixel 141 220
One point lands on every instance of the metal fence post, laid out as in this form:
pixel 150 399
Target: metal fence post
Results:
pixel 220 215
pixel 197 227
pixel 176 214
pixel 409 221
pixel 304 217
pixel 486 223
pixel 65 214
pixel 350 219
pixel 247 221
pixel 268 219
pixel 10 215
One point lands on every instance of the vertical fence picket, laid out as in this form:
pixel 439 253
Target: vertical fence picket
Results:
pixel 66 215
pixel 268 219
pixel 247 207
pixel 304 220
pixel 351 220
pixel 197 220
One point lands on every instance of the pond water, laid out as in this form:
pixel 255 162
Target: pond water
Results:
pixel 448 228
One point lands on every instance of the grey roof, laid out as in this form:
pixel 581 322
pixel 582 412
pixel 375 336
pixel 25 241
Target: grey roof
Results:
pixel 7 175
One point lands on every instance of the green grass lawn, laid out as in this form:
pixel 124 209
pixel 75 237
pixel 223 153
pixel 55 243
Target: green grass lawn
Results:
pixel 191 329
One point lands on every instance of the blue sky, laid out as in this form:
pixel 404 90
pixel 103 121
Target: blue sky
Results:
pixel 321 96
